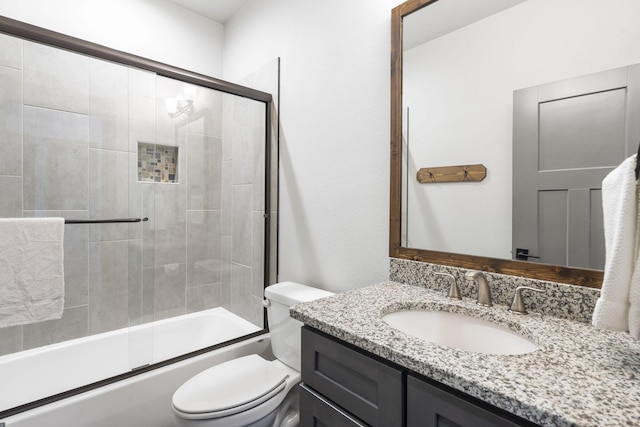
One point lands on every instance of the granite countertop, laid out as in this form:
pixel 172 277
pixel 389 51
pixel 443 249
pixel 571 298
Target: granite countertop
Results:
pixel 580 376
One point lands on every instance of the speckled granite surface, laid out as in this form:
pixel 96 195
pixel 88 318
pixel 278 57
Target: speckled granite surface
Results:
pixel 581 376
pixel 559 300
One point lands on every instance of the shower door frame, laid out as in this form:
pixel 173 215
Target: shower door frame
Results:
pixel 41 35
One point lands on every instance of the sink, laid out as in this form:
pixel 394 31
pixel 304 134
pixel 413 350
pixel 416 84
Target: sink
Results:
pixel 460 331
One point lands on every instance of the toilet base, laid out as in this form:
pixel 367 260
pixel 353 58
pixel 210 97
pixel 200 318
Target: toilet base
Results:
pixel 287 414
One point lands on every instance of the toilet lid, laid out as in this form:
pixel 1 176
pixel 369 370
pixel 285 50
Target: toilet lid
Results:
pixel 234 386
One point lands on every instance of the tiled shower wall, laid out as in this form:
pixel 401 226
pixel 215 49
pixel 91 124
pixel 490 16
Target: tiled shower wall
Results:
pixel 243 187
pixel 69 132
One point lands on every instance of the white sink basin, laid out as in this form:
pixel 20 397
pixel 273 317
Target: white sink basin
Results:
pixel 460 331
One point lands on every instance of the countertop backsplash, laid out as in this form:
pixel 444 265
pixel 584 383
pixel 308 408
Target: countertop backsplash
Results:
pixel 559 300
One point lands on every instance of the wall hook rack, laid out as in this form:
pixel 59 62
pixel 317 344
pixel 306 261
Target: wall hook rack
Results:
pixel 463 173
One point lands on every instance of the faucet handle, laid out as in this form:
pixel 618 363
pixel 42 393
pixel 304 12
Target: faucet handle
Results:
pixel 517 306
pixel 454 291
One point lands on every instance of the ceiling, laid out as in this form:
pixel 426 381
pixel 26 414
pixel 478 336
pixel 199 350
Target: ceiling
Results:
pixel 442 17
pixel 216 10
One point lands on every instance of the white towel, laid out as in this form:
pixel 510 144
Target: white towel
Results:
pixel 634 288
pixel 620 216
pixel 31 270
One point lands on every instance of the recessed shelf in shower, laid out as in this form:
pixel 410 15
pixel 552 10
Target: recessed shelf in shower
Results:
pixel 157 163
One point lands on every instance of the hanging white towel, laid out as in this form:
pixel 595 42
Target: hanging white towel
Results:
pixel 31 270
pixel 619 206
pixel 634 288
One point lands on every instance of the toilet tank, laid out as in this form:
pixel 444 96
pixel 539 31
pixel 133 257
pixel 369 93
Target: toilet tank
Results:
pixel 285 331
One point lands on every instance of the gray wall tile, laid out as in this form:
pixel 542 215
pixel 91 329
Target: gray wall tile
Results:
pixel 203 248
pixel 242 147
pixel 225 272
pixel 10 121
pixel 10 340
pixel 109 106
pixel 241 290
pixel 170 224
pixel 55 160
pixel 203 297
pixel 76 264
pixel 257 311
pixel 108 286
pixel 242 224
pixel 135 283
pixel 11 193
pixel 55 78
pixel 227 197
pixel 108 192
pixel 228 101
pixel 207 116
pixel 10 51
pixel 148 227
pixel 73 324
pixel 148 294
pixel 135 195
pixel 258 162
pixel 204 172
pixel 257 255
pixel 171 131
pixel 169 291
pixel 142 108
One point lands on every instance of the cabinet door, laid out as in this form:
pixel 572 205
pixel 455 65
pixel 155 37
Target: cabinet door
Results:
pixel 430 406
pixel 318 412
pixel 363 386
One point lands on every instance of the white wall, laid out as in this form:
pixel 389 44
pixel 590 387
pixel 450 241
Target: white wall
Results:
pixel 464 82
pixel 334 141
pixel 154 29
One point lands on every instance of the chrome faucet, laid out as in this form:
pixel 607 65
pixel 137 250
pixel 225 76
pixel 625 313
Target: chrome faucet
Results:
pixel 484 291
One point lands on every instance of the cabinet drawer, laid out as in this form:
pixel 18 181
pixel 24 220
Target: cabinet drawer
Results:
pixel 318 412
pixel 430 406
pixel 370 390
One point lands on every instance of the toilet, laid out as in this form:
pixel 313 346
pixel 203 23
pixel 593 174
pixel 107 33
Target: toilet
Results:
pixel 251 391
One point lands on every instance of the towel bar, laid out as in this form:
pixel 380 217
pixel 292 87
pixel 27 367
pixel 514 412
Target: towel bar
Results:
pixel 103 221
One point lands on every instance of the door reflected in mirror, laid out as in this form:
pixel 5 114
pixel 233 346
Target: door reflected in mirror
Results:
pixel 457 108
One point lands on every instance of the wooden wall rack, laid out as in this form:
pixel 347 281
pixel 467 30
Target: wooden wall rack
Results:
pixel 463 173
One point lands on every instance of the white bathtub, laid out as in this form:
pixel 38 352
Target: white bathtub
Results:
pixel 31 375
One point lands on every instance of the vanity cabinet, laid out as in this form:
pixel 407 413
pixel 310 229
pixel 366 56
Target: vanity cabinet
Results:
pixel 318 411
pixel 431 406
pixel 343 386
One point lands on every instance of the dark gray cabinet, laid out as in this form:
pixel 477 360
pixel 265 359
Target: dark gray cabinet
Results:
pixel 369 390
pixel 343 386
pixel 319 412
pixel 431 406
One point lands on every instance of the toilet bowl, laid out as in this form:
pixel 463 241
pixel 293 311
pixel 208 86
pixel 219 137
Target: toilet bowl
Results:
pixel 251 391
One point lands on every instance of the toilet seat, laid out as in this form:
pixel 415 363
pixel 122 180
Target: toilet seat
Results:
pixel 230 388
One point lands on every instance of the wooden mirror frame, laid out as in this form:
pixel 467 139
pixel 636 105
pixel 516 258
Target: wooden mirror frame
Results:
pixel 553 273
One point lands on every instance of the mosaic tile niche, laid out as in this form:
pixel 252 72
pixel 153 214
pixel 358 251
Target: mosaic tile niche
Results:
pixel 157 163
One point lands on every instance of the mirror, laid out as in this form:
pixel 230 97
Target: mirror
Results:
pixel 464 115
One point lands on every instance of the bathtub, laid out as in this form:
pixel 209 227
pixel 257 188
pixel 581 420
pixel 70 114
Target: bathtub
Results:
pixel 31 375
